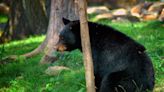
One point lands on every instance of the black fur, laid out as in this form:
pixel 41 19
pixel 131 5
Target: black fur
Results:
pixel 120 63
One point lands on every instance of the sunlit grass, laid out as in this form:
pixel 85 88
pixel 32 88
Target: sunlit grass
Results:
pixel 3 18
pixel 30 40
pixel 22 46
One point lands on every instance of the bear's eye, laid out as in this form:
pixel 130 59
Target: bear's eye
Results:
pixel 61 37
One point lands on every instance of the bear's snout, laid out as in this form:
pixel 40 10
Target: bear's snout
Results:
pixel 60 47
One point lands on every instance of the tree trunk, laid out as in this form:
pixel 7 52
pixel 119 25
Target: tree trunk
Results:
pixel 26 18
pixel 86 47
pixel 59 9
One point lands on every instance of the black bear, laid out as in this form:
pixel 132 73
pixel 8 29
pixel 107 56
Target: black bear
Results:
pixel 120 63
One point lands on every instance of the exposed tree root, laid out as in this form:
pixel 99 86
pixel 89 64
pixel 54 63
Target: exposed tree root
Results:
pixel 39 49
pixel 59 9
pixel 11 57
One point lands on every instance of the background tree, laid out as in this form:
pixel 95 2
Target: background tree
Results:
pixel 59 9
pixel 26 17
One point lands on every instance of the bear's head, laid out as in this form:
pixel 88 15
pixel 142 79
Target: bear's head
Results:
pixel 69 37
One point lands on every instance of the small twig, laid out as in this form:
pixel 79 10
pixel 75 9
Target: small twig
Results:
pixel 12 57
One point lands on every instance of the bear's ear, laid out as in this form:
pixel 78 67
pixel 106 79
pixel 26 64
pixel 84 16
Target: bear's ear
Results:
pixel 66 21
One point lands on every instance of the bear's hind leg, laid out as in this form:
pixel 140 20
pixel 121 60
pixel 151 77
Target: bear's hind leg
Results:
pixel 119 81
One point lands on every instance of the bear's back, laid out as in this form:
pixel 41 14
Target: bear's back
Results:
pixel 102 35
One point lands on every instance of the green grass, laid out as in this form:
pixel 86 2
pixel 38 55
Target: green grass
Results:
pixel 26 75
pixel 3 18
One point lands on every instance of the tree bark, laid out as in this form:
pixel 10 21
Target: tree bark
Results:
pixel 27 17
pixel 59 9
pixel 86 47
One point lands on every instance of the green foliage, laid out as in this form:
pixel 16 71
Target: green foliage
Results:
pixel 26 75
